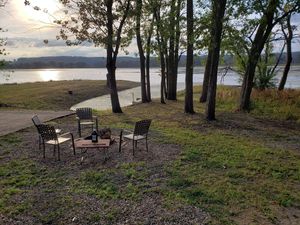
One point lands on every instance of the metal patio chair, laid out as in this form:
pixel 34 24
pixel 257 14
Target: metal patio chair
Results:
pixel 139 133
pixel 85 117
pixel 36 121
pixel 50 137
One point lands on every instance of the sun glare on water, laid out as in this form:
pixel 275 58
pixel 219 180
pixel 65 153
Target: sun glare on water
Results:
pixel 48 75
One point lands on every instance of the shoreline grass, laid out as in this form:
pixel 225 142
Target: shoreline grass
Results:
pixel 54 95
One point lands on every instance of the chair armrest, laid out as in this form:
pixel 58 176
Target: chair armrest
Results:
pixel 77 118
pixel 68 133
pixel 127 131
pixel 95 117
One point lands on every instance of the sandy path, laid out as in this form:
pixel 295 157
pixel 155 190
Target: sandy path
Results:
pixel 12 121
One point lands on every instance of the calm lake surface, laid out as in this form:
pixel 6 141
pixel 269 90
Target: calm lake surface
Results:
pixel 132 74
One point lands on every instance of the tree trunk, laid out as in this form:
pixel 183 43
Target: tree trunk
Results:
pixel 288 39
pixel 148 51
pixel 177 43
pixel 218 10
pixel 206 76
pixel 161 50
pixel 171 71
pixel 141 50
pixel 189 107
pixel 111 61
pixel 265 27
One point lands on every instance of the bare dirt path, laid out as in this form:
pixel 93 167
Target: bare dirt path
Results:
pixel 14 120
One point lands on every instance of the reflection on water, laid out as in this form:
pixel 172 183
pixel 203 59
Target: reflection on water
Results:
pixel 130 74
pixel 47 75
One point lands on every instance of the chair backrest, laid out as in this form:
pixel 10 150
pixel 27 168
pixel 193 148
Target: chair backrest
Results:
pixel 142 127
pixel 36 121
pixel 47 132
pixel 84 113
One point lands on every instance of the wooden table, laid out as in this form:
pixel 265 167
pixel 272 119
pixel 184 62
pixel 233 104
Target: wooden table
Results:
pixel 84 145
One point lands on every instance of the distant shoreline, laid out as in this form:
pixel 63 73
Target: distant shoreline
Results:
pixel 68 62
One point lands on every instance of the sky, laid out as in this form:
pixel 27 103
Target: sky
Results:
pixel 27 29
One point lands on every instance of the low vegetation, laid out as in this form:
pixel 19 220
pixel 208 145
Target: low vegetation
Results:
pixel 240 169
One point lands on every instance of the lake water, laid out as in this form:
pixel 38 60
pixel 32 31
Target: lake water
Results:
pixel 132 74
pixel 126 97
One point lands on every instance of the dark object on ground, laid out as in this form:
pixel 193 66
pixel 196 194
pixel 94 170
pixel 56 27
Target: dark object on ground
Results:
pixel 85 117
pixel 140 132
pixel 105 133
pixel 70 92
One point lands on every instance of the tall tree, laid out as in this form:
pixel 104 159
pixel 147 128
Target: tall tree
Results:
pixel 161 48
pixel 104 23
pixel 270 17
pixel 288 36
pixel 144 31
pixel 2 40
pixel 189 107
pixel 218 11
pixel 173 48
pixel 138 9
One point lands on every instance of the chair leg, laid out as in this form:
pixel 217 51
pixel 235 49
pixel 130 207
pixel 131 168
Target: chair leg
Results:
pixel 73 144
pixel 147 143
pixel 40 142
pixel 79 129
pixel 58 152
pixel 44 150
pixel 133 146
pixel 120 143
pixel 97 124
pixel 136 144
pixel 54 150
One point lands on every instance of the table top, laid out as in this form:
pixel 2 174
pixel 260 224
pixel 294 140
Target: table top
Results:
pixel 102 143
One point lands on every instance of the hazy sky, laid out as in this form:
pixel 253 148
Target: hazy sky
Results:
pixel 27 28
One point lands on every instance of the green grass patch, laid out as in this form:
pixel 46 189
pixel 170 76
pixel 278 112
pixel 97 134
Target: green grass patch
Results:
pixel 125 182
pixel 219 172
pixel 17 177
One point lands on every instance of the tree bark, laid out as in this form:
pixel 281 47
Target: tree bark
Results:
pixel 177 43
pixel 265 27
pixel 141 50
pixel 111 61
pixel 189 107
pixel 171 71
pixel 218 10
pixel 288 39
pixel 148 51
pixel 161 50
pixel 206 76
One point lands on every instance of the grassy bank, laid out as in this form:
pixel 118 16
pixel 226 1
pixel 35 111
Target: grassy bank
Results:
pixel 240 169
pixel 53 95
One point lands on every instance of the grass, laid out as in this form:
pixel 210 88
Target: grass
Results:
pixel 242 167
pixel 223 171
pixel 53 95
pixel 123 182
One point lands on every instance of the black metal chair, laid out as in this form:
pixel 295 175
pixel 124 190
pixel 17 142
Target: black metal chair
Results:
pixel 139 133
pixel 85 117
pixel 49 136
pixel 36 121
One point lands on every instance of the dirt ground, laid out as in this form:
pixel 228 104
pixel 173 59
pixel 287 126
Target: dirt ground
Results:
pixel 47 198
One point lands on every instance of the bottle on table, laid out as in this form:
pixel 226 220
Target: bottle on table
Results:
pixel 94 136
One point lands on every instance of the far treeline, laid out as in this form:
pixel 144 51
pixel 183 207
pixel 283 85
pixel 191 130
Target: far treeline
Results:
pixel 169 29
pixel 123 62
